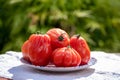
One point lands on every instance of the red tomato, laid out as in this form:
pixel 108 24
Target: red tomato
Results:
pixel 66 57
pixel 39 49
pixel 25 50
pixel 80 45
pixel 59 38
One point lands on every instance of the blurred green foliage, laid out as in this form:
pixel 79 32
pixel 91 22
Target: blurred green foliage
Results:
pixel 98 21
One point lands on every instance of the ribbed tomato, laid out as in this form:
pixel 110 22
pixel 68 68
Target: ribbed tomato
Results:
pixel 38 49
pixel 59 38
pixel 25 50
pixel 66 57
pixel 80 45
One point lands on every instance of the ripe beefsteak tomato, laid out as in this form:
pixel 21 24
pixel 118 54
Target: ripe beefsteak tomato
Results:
pixel 59 38
pixel 66 57
pixel 80 45
pixel 25 50
pixel 40 49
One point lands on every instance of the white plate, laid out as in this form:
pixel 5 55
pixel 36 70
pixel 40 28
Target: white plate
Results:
pixel 53 68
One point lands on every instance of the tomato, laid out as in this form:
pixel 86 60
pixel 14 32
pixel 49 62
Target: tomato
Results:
pixel 80 45
pixel 66 57
pixel 59 38
pixel 25 50
pixel 38 50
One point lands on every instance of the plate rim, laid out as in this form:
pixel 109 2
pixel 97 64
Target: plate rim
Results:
pixel 53 68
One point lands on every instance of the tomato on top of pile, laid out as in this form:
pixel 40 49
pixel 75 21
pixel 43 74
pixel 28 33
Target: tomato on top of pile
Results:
pixel 57 48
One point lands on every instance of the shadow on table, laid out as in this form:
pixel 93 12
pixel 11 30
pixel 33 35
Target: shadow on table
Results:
pixel 23 72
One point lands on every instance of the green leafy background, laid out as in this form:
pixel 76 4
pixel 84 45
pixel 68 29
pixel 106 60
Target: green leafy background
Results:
pixel 98 21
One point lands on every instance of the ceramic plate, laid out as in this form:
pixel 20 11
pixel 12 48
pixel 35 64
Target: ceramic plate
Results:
pixel 53 68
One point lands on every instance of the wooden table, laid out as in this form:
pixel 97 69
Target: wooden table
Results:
pixel 1 78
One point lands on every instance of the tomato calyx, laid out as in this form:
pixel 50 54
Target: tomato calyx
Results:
pixel 61 38
pixel 39 32
pixel 78 35
pixel 68 46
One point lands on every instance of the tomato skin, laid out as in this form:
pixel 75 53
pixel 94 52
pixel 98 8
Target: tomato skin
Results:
pixel 40 49
pixel 59 38
pixel 80 45
pixel 66 57
pixel 25 50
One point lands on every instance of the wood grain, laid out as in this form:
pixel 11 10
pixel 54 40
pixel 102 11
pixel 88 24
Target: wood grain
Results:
pixel 1 78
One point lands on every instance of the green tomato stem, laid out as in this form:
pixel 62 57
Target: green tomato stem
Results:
pixel 78 35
